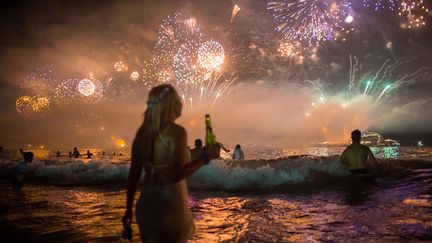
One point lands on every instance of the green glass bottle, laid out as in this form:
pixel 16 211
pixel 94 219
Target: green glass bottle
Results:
pixel 210 137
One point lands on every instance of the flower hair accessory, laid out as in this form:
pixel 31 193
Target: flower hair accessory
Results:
pixel 158 100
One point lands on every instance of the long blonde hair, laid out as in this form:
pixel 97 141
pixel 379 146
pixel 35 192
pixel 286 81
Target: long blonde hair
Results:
pixel 163 105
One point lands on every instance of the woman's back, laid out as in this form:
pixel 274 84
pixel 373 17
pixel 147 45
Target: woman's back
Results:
pixel 167 153
pixel 163 205
pixel 160 149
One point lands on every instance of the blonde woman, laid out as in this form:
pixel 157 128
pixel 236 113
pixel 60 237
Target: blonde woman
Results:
pixel 160 149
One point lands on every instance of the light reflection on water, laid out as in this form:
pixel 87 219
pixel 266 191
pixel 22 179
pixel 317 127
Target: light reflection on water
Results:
pixel 220 219
pixel 381 210
pixel 61 214
pixel 392 207
pixel 251 153
pixel 380 152
pixel 384 209
pixel 386 152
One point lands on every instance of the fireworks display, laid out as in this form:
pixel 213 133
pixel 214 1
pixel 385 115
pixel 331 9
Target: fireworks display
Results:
pixel 164 76
pixel 375 85
pixel 211 55
pixel 134 76
pixel 413 13
pixel 28 105
pixel 191 23
pixel 383 80
pixel 214 89
pixel 39 80
pixel 287 50
pixel 281 56
pixel 86 87
pixel 24 105
pixel 74 91
pixel 41 104
pixel 381 5
pixel 276 79
pixel 182 58
pixel 120 67
pixel 185 65
pixel 235 10
pixel 367 92
pixel 66 93
pixel 196 64
pixel 94 91
pixel 310 21
pixel 178 38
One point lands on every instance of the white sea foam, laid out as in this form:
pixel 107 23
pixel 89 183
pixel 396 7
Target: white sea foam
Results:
pixel 264 173
pixel 219 174
pixel 71 172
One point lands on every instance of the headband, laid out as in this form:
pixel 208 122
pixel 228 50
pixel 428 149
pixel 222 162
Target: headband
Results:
pixel 158 100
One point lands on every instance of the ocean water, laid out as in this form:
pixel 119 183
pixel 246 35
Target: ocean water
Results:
pixel 276 195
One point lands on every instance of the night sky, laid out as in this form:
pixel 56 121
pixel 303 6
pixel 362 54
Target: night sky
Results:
pixel 76 38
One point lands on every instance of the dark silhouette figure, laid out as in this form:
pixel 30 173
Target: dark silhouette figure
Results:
pixel 58 153
pixel 20 170
pixel 238 153
pixel 89 155
pixel 1 151
pixel 356 155
pixel 75 153
pixel 198 150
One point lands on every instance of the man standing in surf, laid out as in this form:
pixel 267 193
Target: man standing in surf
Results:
pixel 356 155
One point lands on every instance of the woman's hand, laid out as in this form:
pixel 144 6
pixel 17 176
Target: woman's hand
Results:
pixel 127 222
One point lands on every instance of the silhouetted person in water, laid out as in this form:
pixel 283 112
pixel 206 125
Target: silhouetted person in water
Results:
pixel 356 155
pixel 89 155
pixel 1 151
pixel 20 169
pixel 58 153
pixel 238 153
pixel 75 153
pixel 198 150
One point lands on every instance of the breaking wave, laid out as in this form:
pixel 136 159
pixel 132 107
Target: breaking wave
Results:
pixel 219 174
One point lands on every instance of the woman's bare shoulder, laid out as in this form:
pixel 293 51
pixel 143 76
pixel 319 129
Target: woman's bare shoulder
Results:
pixel 173 130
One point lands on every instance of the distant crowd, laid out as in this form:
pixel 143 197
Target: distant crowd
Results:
pixel 195 152
pixel 76 154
